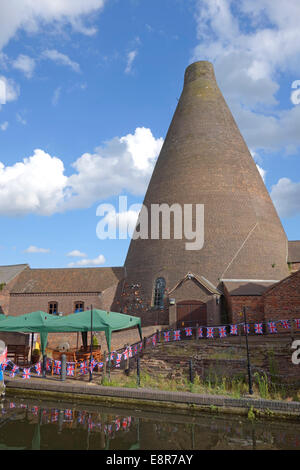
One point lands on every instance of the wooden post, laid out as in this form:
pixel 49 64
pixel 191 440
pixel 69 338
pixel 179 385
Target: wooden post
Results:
pixel 197 331
pixel 104 368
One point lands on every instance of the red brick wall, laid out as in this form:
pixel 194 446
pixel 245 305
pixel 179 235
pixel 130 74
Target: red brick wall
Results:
pixel 26 303
pixel 283 300
pixel 294 267
pixel 254 308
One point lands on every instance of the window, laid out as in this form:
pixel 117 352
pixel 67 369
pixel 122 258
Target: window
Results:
pixel 78 307
pixel 159 290
pixel 53 308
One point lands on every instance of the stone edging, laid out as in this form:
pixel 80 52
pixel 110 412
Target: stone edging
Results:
pixel 149 396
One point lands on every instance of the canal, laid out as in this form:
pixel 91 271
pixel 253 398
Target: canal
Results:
pixel 31 424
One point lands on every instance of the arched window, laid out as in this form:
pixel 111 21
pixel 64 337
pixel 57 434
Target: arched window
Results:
pixel 53 308
pixel 159 290
pixel 78 307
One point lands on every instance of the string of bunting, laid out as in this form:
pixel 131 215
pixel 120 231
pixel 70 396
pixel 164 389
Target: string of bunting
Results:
pixel 116 357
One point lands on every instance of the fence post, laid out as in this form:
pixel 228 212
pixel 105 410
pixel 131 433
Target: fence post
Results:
pixel 145 342
pixel 197 331
pixel 248 355
pixel 63 367
pixel 138 372
pixel 104 368
pixel 127 368
pixel 191 371
pixel 158 336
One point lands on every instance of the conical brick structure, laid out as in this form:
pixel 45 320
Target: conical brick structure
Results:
pixel 204 160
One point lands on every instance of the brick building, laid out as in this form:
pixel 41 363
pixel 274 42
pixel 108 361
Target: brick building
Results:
pixel 246 259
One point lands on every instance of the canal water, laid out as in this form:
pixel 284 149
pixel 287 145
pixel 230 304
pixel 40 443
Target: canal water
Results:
pixel 30 424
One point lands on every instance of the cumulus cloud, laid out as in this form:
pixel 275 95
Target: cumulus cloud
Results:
pixel 32 15
pixel 39 185
pixel 25 64
pixel 35 185
pixel 61 59
pixel 76 254
pixel 98 261
pixel 243 41
pixel 286 197
pixel 35 249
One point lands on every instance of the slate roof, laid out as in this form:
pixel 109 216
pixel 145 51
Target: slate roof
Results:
pixel 294 251
pixel 63 280
pixel 7 273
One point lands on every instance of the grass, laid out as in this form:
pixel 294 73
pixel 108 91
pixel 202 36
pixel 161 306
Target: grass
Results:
pixel 235 387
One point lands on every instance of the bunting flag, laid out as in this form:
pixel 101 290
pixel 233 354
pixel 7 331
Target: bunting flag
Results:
pixel 222 331
pixel 48 365
pixel 141 345
pixel 14 371
pixel 118 360
pixel 38 368
pixel 112 355
pixel 26 374
pixel 126 354
pixel 154 340
pixel 83 368
pixel 167 336
pixel 285 323
pixel 117 424
pixel 93 364
pixel 258 328
pixel 233 329
pixel 135 350
pixel 70 369
pixel 272 327
pixel 130 351
pixel 200 332
pixel 210 332
pixel 68 415
pixel 246 328
pixel 177 335
pixel 188 331
pixel 57 367
pixel 297 321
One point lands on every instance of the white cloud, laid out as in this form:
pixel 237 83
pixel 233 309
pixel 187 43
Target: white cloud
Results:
pixel 39 185
pixel 252 43
pixel 35 185
pixel 32 15
pixel 12 90
pixel 130 59
pixel 4 126
pixel 61 59
pixel 77 254
pixel 56 96
pixel 98 261
pixel 262 172
pixel 286 197
pixel 35 249
pixel 20 119
pixel 25 64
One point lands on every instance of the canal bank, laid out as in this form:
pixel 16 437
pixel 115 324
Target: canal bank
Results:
pixel 89 392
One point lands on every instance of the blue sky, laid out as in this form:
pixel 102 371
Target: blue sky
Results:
pixel 90 89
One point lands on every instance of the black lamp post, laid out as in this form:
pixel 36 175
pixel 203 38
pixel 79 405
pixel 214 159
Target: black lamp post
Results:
pixel 248 355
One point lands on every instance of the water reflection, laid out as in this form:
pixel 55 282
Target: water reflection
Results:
pixel 26 424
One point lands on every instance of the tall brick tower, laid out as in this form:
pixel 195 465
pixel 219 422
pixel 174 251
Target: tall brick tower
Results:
pixel 204 160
